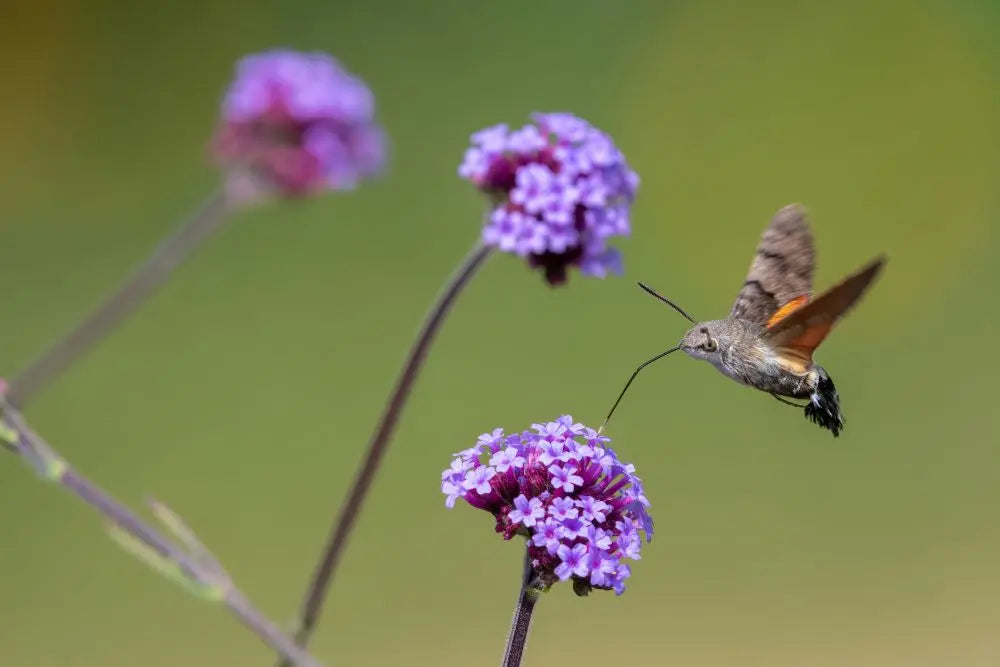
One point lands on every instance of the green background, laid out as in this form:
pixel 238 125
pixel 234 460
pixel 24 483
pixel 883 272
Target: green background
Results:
pixel 244 392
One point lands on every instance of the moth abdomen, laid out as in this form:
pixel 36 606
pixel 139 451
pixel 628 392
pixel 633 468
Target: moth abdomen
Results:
pixel 823 408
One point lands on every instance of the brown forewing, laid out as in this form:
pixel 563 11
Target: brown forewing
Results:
pixel 782 268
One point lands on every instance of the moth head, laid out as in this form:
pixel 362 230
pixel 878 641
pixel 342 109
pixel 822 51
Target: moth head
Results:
pixel 703 340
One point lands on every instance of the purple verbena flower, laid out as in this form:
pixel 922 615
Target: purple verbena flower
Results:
pixel 617 580
pixel 575 527
pixel 550 452
pixel 452 481
pixel 564 478
pixel 560 189
pixel 452 492
pixel 574 561
pixel 298 123
pixel 489 441
pixel 547 534
pixel 478 479
pixel 506 459
pixel 599 537
pixel 602 568
pixel 629 541
pixel 526 512
pixel 594 509
pixel 563 509
pixel 581 509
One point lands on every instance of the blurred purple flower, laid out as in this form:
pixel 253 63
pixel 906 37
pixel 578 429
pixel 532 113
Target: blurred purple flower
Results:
pixel 581 519
pixel 298 123
pixel 561 189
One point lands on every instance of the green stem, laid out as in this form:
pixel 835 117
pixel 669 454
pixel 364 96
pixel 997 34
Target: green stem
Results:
pixel 153 272
pixel 200 572
pixel 517 639
pixel 340 531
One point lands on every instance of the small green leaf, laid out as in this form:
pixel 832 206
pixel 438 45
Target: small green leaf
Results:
pixel 8 435
pixel 165 566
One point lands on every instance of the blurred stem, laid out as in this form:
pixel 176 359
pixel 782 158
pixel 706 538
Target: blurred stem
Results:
pixel 521 623
pixel 204 574
pixel 153 272
pixel 340 531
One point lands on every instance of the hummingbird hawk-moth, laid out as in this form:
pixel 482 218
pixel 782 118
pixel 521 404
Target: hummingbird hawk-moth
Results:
pixel 768 339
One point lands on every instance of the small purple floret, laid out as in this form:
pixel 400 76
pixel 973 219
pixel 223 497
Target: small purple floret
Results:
pixel 298 123
pixel 581 509
pixel 574 561
pixel 505 459
pixel 593 509
pixel 561 188
pixel 547 534
pixel 478 479
pixel 564 478
pixel 526 512
pixel 563 509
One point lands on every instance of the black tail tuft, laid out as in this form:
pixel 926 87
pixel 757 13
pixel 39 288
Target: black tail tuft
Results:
pixel 824 405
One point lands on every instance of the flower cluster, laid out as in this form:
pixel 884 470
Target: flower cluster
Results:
pixel 562 189
pixel 299 123
pixel 560 486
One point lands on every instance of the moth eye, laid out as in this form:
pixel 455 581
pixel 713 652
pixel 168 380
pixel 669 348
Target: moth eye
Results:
pixel 711 345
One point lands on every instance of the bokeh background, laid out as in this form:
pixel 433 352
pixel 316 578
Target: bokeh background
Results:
pixel 244 392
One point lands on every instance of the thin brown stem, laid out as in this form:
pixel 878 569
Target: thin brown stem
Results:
pixel 517 639
pixel 153 272
pixel 201 574
pixel 340 531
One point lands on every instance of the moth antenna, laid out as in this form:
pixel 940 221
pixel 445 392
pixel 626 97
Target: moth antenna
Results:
pixel 667 301
pixel 641 366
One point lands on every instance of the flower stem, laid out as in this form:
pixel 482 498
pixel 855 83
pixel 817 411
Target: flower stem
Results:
pixel 340 531
pixel 521 623
pixel 198 571
pixel 153 272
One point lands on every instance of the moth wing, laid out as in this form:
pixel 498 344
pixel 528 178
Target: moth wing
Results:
pixel 782 268
pixel 796 336
pixel 788 309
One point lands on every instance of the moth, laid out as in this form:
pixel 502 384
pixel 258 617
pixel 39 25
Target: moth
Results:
pixel 774 327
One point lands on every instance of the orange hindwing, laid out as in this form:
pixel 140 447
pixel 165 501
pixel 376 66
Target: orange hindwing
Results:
pixel 787 309
pixel 799 331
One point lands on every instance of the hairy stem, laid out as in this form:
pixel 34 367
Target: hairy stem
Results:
pixel 340 531
pixel 153 272
pixel 521 623
pixel 201 573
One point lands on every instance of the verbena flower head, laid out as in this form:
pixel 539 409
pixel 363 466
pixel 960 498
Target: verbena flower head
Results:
pixel 561 188
pixel 299 123
pixel 560 486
